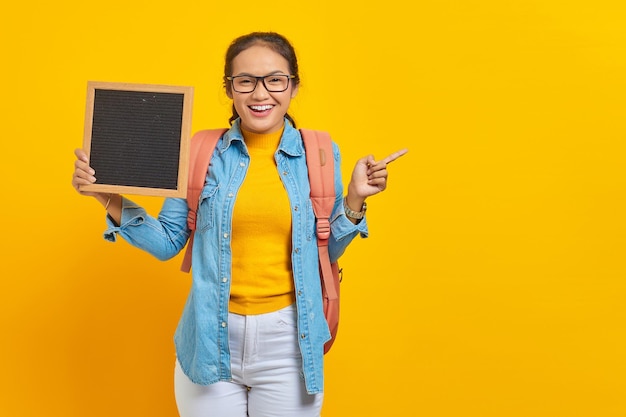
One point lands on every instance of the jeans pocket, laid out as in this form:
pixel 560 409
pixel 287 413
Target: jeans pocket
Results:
pixel 288 316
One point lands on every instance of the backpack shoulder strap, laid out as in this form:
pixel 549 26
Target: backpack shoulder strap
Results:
pixel 321 168
pixel 202 146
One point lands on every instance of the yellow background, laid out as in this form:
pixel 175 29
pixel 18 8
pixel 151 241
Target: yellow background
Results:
pixel 493 280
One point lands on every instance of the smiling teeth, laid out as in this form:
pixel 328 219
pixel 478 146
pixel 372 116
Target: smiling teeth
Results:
pixel 261 108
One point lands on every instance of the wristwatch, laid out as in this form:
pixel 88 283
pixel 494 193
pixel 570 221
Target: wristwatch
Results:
pixel 357 215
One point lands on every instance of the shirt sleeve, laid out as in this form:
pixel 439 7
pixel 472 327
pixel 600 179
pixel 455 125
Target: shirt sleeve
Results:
pixel 163 237
pixel 343 231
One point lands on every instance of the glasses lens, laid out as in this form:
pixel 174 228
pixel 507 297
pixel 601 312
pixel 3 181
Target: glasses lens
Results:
pixel 243 84
pixel 276 83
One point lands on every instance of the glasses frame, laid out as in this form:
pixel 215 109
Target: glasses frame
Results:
pixel 262 79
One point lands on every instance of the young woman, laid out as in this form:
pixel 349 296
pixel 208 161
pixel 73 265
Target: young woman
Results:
pixel 251 337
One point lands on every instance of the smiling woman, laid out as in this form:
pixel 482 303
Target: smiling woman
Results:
pixel 256 347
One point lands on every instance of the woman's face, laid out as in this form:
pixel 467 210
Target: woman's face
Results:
pixel 261 111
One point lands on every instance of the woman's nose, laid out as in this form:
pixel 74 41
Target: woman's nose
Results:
pixel 260 90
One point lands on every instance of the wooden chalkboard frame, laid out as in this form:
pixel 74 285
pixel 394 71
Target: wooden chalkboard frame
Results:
pixel 117 112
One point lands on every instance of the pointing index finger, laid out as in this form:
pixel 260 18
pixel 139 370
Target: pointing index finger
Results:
pixel 394 156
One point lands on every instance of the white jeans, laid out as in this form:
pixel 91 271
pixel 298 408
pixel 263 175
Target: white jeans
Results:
pixel 266 368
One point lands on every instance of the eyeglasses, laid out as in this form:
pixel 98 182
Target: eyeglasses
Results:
pixel 275 83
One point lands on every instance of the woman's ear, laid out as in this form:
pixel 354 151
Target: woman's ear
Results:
pixel 294 91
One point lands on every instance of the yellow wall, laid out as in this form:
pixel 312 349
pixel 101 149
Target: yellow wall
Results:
pixel 493 280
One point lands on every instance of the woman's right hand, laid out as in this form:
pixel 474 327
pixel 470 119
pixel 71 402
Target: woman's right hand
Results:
pixel 83 174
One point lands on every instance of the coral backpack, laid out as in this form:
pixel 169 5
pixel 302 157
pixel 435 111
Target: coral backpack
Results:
pixel 320 164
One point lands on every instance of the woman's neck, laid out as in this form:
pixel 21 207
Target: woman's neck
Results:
pixel 262 140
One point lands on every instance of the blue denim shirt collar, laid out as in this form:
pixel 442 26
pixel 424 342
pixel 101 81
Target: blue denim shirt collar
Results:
pixel 290 143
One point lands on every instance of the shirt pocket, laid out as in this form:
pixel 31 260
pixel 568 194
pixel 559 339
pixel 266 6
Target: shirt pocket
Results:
pixel 206 208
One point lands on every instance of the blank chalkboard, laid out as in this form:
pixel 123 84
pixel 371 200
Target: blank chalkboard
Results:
pixel 137 138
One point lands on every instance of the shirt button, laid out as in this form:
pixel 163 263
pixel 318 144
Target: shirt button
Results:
pixel 299 293
pixel 297 250
pixel 284 172
pixel 295 208
pixel 241 164
pixel 231 195
pixel 225 235
pixel 302 336
pixel 223 324
pixel 224 279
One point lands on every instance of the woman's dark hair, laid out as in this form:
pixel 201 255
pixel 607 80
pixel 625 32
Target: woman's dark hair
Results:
pixel 272 40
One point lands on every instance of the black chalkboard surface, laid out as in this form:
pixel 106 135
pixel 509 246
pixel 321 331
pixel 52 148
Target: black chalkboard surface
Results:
pixel 137 138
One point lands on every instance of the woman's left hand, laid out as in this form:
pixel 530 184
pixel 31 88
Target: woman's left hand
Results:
pixel 369 176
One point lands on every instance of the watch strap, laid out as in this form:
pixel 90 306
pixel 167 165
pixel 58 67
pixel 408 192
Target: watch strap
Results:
pixel 357 215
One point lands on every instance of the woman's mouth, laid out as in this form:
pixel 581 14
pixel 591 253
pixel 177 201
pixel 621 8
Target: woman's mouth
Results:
pixel 261 109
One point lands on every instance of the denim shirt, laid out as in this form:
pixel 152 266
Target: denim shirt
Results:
pixel 201 337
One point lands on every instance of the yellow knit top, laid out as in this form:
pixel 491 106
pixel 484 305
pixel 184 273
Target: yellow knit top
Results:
pixel 262 280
